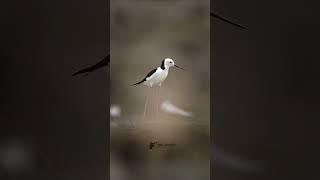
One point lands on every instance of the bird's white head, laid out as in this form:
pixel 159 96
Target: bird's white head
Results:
pixel 167 63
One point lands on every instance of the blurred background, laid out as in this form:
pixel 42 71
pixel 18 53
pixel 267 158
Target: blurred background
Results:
pixel 143 33
pixel 266 90
pixel 53 125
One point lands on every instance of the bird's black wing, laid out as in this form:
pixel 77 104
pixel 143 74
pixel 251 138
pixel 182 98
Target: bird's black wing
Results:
pixel 105 62
pixel 226 20
pixel 148 75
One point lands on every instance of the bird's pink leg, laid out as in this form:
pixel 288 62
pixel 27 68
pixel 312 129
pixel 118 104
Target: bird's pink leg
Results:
pixel 145 104
pixel 158 101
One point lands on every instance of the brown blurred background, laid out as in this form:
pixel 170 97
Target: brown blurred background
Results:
pixel 143 33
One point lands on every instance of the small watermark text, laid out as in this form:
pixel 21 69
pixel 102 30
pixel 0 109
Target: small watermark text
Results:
pixel 156 144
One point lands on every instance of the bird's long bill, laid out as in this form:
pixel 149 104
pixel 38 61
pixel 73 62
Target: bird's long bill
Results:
pixel 226 20
pixel 178 67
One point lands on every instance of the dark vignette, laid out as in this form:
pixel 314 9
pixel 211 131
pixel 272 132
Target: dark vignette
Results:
pixel 53 125
pixel 265 90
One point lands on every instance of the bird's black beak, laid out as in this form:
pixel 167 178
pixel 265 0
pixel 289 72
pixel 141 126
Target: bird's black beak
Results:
pixel 226 20
pixel 178 67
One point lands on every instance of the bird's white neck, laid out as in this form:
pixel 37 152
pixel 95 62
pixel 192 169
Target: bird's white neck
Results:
pixel 166 68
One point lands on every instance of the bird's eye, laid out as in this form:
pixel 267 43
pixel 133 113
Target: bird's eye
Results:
pixel 170 62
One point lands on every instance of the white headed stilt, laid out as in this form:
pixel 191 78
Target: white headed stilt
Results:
pixel 154 79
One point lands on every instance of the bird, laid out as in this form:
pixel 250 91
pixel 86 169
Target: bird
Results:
pixel 104 62
pixel 155 78
pixel 226 20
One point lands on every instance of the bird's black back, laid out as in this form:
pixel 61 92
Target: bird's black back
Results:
pixel 148 75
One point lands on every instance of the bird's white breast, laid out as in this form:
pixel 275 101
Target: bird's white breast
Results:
pixel 158 77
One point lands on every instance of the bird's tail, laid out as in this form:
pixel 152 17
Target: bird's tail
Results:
pixel 137 83
pixel 105 62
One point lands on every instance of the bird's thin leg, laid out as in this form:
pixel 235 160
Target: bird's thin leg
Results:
pixel 145 104
pixel 154 106
pixel 158 102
